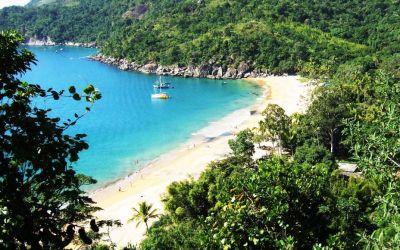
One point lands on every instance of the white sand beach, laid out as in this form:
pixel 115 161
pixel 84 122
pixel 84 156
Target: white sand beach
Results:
pixel 189 160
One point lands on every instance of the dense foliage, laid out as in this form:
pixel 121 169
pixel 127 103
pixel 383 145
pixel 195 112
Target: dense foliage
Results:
pixel 301 200
pixel 42 205
pixel 295 197
pixel 77 21
pixel 278 36
pixel 278 204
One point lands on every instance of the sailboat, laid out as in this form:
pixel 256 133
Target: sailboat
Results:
pixel 160 95
pixel 161 85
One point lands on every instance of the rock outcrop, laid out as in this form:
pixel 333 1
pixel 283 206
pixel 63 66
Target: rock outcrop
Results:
pixel 36 41
pixel 84 45
pixel 243 69
pixel 209 70
pixel 46 41
pixel 137 12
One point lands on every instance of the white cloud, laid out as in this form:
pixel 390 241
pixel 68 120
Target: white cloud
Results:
pixel 4 3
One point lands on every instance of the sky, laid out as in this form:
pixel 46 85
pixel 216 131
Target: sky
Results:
pixel 4 3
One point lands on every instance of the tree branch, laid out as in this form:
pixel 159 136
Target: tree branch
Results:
pixel 394 162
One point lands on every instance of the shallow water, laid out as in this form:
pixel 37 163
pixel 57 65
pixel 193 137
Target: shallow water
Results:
pixel 126 128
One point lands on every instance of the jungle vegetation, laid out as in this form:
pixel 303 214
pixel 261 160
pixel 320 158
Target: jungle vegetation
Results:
pixel 275 36
pixel 300 199
pixel 294 197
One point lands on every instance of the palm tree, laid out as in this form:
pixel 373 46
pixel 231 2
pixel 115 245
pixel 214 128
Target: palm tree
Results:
pixel 143 214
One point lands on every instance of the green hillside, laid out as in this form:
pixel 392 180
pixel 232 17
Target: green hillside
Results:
pixel 294 197
pixel 276 36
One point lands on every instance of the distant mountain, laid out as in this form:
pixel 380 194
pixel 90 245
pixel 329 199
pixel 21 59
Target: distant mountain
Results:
pixel 35 3
pixel 38 3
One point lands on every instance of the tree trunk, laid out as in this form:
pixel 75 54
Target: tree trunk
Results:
pixel 280 150
pixel 273 147
pixel 332 141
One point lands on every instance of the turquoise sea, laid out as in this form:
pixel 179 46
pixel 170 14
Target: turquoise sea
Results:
pixel 126 129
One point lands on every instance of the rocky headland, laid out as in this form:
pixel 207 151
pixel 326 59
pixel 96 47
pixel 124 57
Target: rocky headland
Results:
pixel 47 41
pixel 209 70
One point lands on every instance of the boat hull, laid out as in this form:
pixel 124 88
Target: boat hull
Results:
pixel 160 96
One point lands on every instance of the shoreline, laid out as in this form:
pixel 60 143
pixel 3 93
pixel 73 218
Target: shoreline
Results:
pixel 210 70
pixel 46 41
pixel 201 136
pixel 198 137
pixel 189 159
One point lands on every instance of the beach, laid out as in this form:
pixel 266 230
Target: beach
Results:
pixel 190 159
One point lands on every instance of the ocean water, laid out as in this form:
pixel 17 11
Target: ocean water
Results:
pixel 127 129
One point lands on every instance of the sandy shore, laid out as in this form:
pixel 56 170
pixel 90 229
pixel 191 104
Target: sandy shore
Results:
pixel 208 144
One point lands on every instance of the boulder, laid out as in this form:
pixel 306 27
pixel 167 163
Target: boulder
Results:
pixel 149 68
pixel 135 66
pixel 189 71
pixel 220 72
pixel 203 71
pixel 188 74
pixel 243 69
pixel 214 71
pixel 231 73
pixel 196 72
pixel 112 60
pixel 160 70
pixel 123 64
pixel 177 71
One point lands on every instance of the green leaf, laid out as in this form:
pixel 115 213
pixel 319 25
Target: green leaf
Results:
pixel 72 90
pixel 76 97
pixel 89 89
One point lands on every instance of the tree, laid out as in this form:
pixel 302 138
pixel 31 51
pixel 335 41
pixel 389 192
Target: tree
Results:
pixel 280 204
pixel 387 220
pixel 373 131
pixel 313 154
pixel 41 201
pixel 325 116
pixel 242 146
pixel 275 126
pixel 258 137
pixel 143 214
pixel 184 234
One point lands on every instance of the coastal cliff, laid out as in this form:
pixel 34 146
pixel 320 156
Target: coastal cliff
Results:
pixel 209 70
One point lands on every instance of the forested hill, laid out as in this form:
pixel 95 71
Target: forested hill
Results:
pixel 296 200
pixel 278 36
